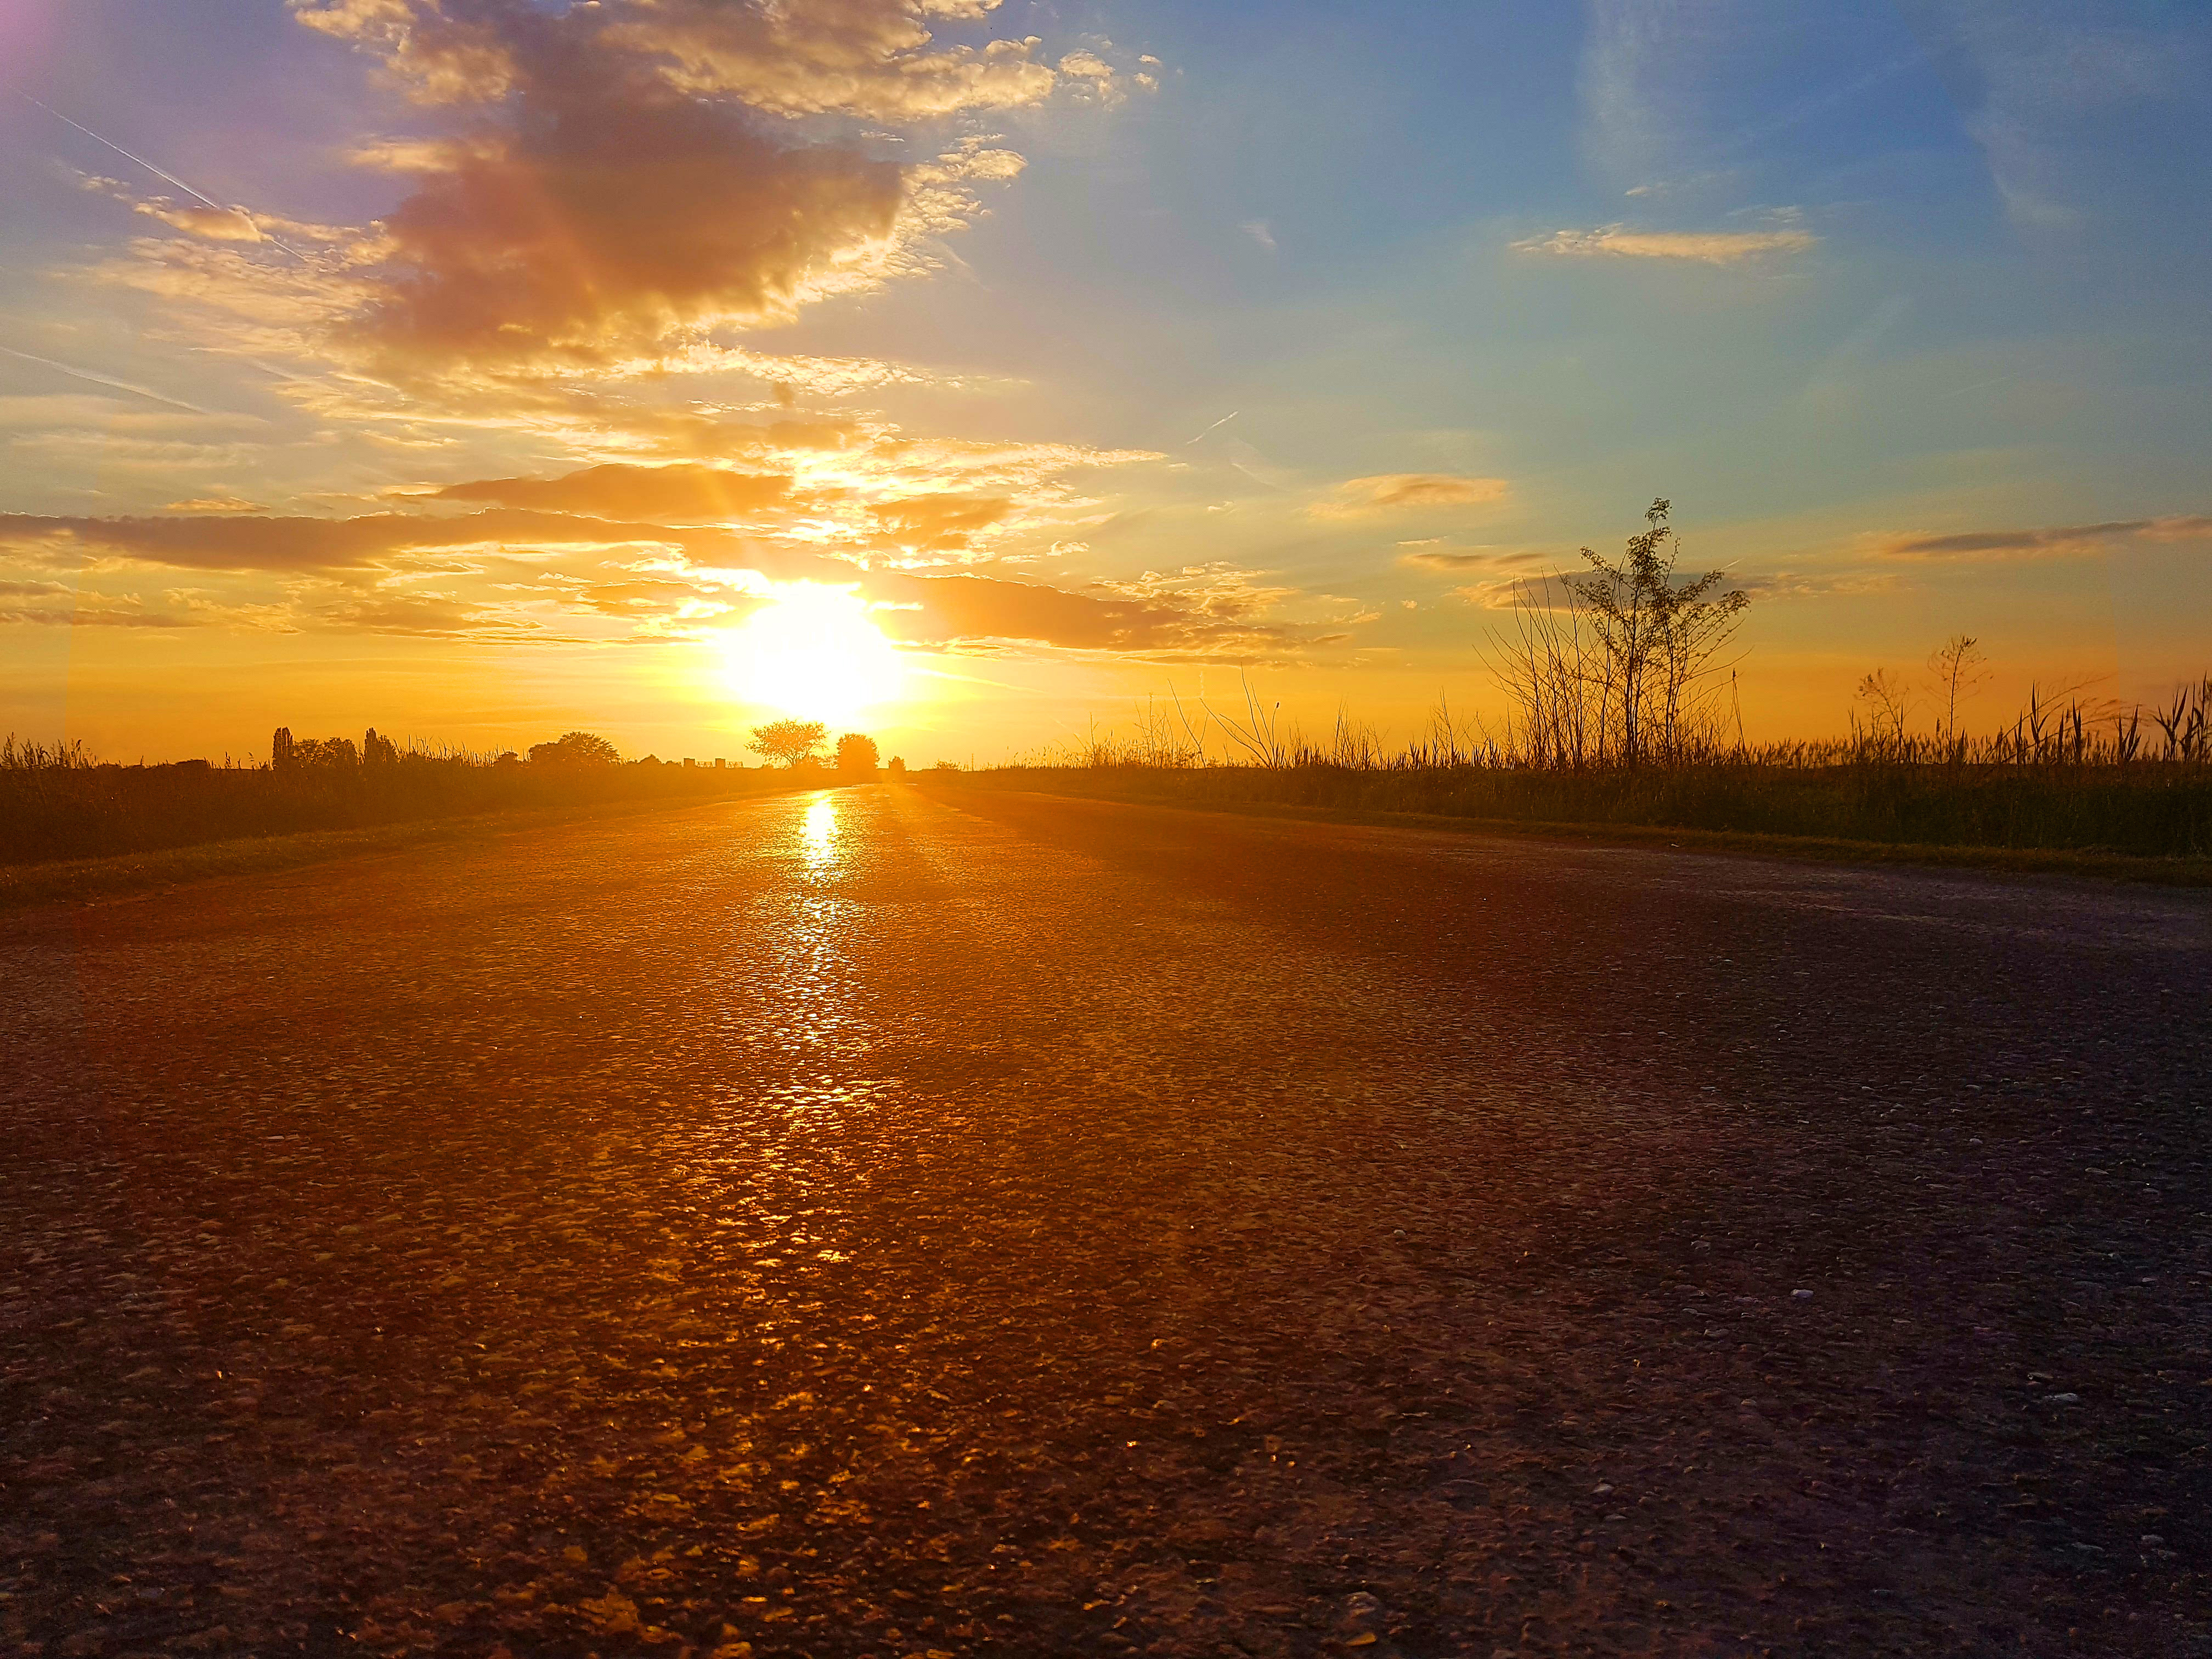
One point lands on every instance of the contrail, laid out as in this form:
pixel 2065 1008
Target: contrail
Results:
pixel 1223 422
pixel 106 379
pixel 170 177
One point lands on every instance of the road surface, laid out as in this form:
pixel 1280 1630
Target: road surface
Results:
pixel 945 1222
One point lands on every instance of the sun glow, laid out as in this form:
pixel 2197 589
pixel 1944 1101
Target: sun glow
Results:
pixel 813 653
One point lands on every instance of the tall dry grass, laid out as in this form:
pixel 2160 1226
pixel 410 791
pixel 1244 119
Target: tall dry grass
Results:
pixel 2067 774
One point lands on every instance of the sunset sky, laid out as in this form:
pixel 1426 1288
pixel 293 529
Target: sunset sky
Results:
pixel 478 369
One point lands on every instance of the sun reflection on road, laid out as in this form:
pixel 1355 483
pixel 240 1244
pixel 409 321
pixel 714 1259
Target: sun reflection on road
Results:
pixel 818 836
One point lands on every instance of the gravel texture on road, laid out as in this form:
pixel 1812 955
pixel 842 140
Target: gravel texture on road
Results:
pixel 924 1222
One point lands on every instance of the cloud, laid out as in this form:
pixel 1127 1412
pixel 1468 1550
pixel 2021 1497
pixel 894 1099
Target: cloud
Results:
pixel 217 224
pixel 1219 590
pixel 253 543
pixel 2041 82
pixel 1546 592
pixel 439 57
pixel 1784 585
pixel 622 180
pixel 612 221
pixel 428 616
pixel 510 576
pixel 971 611
pixel 1713 247
pixel 2056 542
pixel 936 523
pixel 1391 492
pixel 213 504
pixel 84 615
pixel 858 486
pixel 1434 555
pixel 873 58
pixel 1093 77
pixel 687 493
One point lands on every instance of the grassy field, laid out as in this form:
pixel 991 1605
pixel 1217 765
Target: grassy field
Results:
pixel 2148 811
pixel 59 805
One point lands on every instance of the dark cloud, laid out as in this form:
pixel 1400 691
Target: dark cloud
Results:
pixel 626 184
pixel 2047 543
pixel 607 219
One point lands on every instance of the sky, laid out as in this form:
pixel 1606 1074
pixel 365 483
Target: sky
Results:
pixel 971 371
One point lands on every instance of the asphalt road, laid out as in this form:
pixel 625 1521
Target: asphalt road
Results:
pixel 905 1222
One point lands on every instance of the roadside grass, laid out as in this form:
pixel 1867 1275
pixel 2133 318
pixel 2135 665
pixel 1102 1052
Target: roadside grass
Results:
pixel 57 804
pixel 2149 821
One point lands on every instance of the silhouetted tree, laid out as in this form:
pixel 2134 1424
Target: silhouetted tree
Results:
pixel 789 741
pixel 857 752
pixel 1655 640
pixel 575 749
pixel 306 754
pixel 378 752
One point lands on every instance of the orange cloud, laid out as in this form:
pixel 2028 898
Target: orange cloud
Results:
pixel 623 197
pixel 250 542
pixel 926 524
pixel 1433 555
pixel 684 493
pixel 873 58
pixel 366 574
pixel 1391 492
pixel 1714 247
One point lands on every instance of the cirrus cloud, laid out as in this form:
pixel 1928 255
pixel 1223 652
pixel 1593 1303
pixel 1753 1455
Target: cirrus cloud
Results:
pixel 1711 248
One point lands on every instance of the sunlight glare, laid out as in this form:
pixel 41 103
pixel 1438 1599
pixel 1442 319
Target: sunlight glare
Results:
pixel 819 834
pixel 813 653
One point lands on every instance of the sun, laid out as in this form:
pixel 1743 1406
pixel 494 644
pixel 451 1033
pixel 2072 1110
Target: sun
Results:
pixel 812 653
